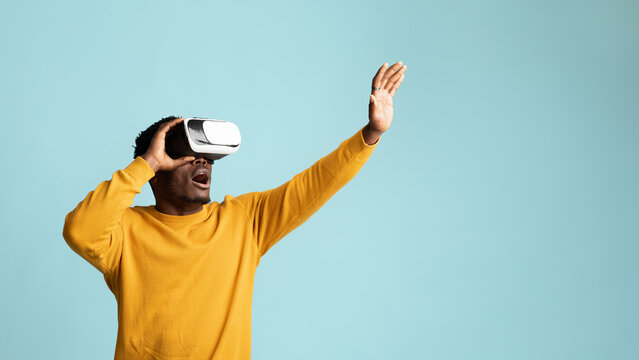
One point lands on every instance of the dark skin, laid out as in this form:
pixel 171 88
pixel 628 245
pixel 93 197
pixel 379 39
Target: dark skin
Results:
pixel 181 186
pixel 181 191
pixel 176 193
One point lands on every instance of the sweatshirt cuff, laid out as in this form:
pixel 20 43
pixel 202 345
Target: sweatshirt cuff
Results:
pixel 358 148
pixel 140 171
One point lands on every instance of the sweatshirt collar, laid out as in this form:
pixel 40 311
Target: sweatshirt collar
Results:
pixel 191 218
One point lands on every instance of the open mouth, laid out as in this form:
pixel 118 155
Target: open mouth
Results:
pixel 201 179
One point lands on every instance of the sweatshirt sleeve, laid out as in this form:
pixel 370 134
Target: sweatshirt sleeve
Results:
pixel 276 212
pixel 93 229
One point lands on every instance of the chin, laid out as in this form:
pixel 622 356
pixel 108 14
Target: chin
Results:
pixel 202 201
pixel 197 200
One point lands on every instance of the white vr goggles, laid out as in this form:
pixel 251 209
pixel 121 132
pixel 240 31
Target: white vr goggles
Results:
pixel 210 136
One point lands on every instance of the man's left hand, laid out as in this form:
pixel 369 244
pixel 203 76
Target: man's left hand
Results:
pixel 380 108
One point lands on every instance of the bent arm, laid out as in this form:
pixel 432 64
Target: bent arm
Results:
pixel 276 212
pixel 93 229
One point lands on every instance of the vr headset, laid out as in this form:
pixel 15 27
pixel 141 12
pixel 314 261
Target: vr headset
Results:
pixel 210 136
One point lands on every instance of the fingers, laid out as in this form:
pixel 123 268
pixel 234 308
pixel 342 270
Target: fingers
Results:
pixel 184 160
pixel 175 163
pixel 167 126
pixel 377 80
pixel 393 79
pixel 396 85
pixel 389 73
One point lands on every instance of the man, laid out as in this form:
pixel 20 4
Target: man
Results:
pixel 182 271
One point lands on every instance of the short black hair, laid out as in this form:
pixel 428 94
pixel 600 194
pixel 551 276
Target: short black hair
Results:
pixel 143 141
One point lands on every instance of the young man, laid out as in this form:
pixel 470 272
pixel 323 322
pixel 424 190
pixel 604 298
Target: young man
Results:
pixel 182 271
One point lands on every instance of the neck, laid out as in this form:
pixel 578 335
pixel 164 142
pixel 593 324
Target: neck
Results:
pixel 173 208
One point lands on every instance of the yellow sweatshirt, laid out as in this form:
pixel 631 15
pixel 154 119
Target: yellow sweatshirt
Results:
pixel 184 284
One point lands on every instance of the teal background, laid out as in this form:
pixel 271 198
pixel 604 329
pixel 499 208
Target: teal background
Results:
pixel 497 218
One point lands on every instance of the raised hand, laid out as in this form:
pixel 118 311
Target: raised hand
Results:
pixel 385 84
pixel 156 155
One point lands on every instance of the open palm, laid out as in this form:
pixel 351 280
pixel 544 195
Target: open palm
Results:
pixel 385 84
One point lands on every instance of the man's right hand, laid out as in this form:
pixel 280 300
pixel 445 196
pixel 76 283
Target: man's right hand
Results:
pixel 156 155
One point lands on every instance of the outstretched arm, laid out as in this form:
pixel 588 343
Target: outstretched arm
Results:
pixel 276 212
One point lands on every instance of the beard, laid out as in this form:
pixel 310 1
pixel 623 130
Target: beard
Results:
pixel 201 200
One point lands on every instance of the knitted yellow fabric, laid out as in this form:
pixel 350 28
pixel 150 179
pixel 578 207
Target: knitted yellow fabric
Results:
pixel 184 284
